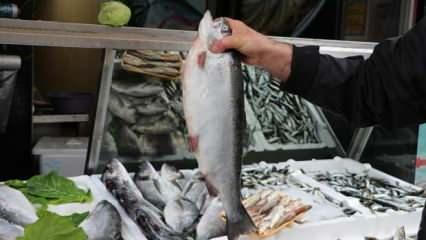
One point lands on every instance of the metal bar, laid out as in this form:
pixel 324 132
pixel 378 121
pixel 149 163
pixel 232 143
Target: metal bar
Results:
pixel 56 34
pixel 358 142
pixel 10 62
pixel 66 118
pixel 101 111
pixel 407 16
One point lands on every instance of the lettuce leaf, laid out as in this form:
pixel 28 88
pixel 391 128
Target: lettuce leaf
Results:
pixel 51 226
pixel 75 218
pixel 50 189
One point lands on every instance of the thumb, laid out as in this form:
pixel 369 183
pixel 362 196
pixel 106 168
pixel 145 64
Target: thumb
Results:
pixel 226 43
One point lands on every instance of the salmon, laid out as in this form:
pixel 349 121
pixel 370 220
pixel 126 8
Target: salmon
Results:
pixel 213 101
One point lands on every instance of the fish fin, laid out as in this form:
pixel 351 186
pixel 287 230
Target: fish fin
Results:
pixel 241 225
pixel 193 143
pixel 201 59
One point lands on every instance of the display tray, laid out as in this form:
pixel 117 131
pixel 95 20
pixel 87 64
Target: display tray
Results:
pixel 326 218
pixel 261 148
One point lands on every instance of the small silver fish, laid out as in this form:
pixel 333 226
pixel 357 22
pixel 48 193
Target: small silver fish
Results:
pixel 213 101
pixel 15 208
pixel 103 223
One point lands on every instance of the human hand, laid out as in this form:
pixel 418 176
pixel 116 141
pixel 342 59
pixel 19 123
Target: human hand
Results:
pixel 257 49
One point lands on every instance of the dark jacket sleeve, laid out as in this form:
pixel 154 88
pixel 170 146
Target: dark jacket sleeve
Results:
pixel 389 88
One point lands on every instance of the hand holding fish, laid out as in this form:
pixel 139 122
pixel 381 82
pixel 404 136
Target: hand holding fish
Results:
pixel 257 49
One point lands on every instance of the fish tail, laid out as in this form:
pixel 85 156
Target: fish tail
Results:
pixel 242 225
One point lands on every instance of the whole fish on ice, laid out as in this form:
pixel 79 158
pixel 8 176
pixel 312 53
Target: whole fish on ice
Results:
pixel 15 208
pixel 212 88
pixel 103 223
pixel 149 218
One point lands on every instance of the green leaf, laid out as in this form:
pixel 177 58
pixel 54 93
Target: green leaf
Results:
pixel 78 218
pixel 75 218
pixel 56 189
pixel 51 226
pixel 16 184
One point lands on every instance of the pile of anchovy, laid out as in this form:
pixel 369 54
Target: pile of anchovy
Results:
pixel 376 194
pixel 284 118
pixel 263 175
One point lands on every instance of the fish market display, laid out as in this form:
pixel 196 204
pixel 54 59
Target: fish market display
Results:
pixel 103 223
pixel 145 214
pixel 272 210
pixel 284 118
pixel 376 194
pixel 214 111
pixel 15 208
pixel 9 231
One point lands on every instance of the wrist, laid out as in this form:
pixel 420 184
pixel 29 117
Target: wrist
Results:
pixel 277 60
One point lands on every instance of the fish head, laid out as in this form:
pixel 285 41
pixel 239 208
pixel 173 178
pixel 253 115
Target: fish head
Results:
pixel 211 29
pixel 113 171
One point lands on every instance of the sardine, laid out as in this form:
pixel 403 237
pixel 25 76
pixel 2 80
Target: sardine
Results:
pixel 103 223
pixel 181 214
pixel 211 224
pixel 214 111
pixel 146 215
pixel 9 231
pixel 15 208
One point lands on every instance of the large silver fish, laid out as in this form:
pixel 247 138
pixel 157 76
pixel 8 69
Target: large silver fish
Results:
pixel 103 223
pixel 15 208
pixel 214 113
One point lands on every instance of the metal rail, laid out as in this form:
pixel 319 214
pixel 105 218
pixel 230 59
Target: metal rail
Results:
pixel 77 35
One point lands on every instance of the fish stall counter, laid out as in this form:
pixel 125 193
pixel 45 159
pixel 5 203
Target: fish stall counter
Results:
pixel 140 114
pixel 340 198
